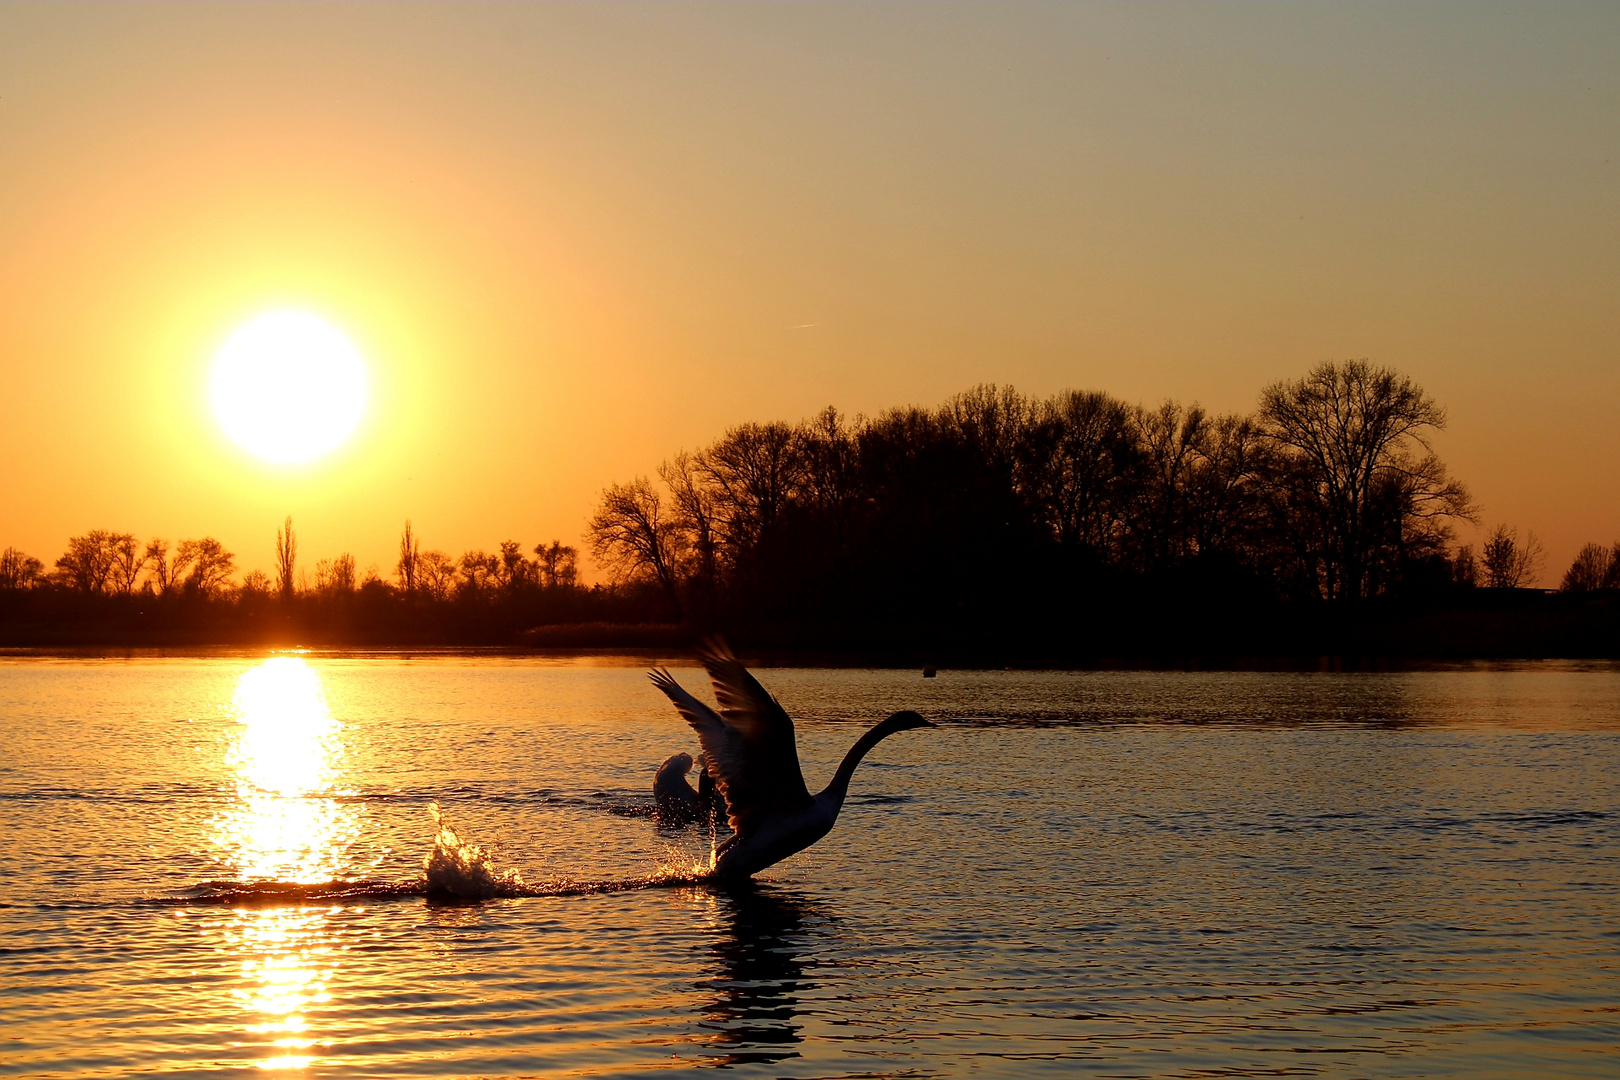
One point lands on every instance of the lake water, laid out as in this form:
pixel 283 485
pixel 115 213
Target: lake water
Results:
pixel 1115 874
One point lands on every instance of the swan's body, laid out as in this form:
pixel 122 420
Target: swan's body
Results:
pixel 674 801
pixel 750 752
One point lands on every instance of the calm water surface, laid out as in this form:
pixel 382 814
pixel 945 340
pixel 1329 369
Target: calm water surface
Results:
pixel 1095 873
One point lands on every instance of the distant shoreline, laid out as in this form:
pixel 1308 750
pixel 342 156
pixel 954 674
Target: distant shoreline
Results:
pixel 1371 645
pixel 766 661
pixel 1472 625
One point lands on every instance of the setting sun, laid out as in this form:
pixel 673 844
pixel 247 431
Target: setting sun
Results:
pixel 288 387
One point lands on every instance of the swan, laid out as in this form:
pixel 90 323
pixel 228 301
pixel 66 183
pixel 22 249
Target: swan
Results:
pixel 674 801
pixel 751 754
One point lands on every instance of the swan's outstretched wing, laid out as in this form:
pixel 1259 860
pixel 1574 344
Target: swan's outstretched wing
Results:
pixel 717 739
pixel 771 781
pixel 749 748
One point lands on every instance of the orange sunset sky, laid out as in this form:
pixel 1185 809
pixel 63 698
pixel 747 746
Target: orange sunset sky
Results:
pixel 570 240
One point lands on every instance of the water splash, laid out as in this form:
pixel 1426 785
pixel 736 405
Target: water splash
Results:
pixel 678 862
pixel 460 870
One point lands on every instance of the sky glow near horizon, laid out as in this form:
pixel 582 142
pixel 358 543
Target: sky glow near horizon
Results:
pixel 569 241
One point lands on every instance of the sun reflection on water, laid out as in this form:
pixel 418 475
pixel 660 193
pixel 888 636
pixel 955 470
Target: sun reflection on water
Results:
pixel 286 821
pixel 287 964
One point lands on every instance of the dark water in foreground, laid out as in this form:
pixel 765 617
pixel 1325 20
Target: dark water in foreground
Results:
pixel 1106 873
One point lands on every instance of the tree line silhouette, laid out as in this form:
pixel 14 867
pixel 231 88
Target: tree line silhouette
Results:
pixel 102 563
pixel 1004 512
pixel 109 588
pixel 995 521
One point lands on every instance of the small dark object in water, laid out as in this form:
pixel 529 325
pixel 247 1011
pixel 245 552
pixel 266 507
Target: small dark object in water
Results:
pixel 929 673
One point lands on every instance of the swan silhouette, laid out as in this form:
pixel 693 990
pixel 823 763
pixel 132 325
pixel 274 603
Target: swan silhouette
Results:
pixel 751 753
pixel 674 801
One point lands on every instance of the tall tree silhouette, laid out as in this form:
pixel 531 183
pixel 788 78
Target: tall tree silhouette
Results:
pixel 409 555
pixel 286 558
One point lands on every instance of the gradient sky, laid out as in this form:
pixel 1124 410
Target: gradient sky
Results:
pixel 573 239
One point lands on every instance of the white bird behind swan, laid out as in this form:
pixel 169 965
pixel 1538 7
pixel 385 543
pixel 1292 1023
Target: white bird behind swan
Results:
pixel 751 753
pixel 674 801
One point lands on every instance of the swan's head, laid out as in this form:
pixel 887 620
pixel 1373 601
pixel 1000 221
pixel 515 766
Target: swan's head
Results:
pixel 905 721
pixel 676 765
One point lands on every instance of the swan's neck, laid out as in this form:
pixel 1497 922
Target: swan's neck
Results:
pixel 846 768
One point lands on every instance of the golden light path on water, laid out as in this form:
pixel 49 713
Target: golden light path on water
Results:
pixel 286 822
pixel 287 964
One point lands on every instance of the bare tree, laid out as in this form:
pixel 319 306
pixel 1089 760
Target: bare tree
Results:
pixel 286 557
pixel 409 556
pixel 335 577
pixel 1079 466
pixel 992 421
pixel 514 571
pixel 1223 498
pixel 633 538
pixel 1465 568
pixel 1507 563
pixel 19 570
pixel 342 578
pixel 1360 477
pixel 480 572
pixel 128 559
pixel 210 564
pixel 695 515
pixel 185 553
pixel 829 463
pixel 436 574
pixel 256 583
pixel 1595 567
pixel 87 565
pixel 753 470
pixel 161 574
pixel 558 565
pixel 1170 438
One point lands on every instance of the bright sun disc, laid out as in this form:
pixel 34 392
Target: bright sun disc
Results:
pixel 288 387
